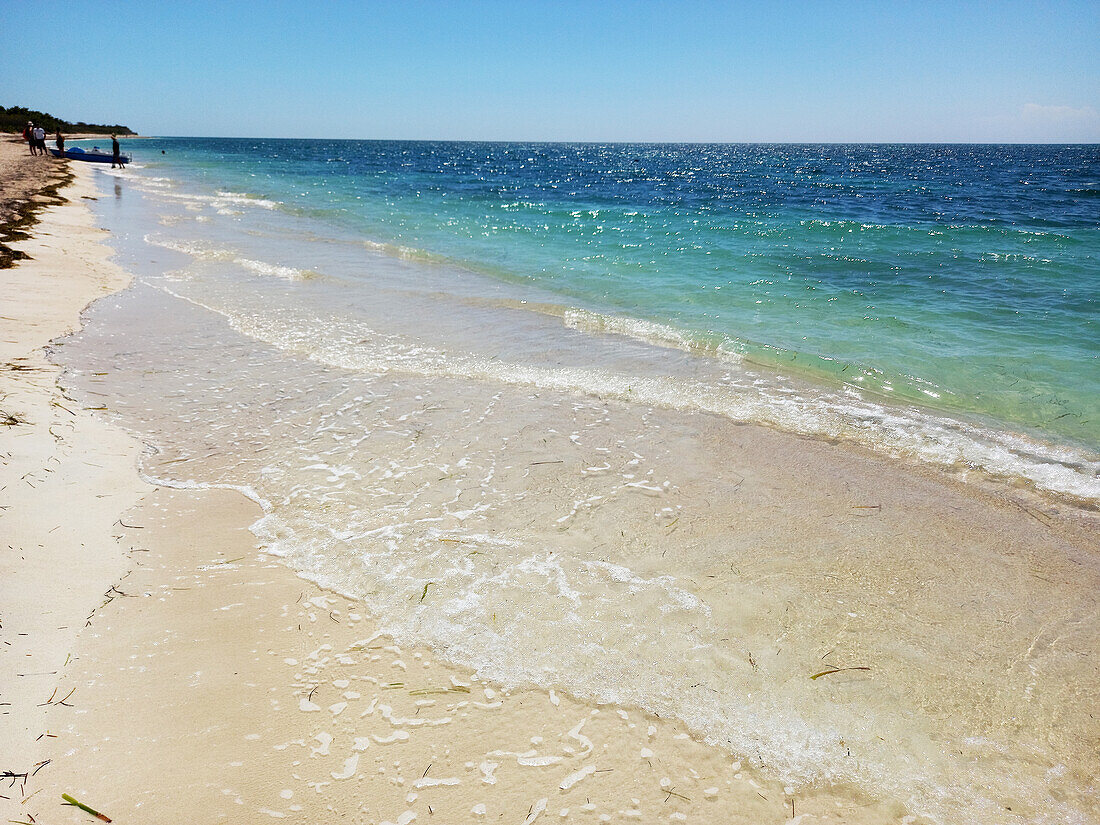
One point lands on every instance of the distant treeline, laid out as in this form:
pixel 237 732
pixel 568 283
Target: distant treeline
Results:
pixel 14 119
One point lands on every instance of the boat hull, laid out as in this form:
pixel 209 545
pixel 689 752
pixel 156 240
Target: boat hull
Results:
pixel 91 157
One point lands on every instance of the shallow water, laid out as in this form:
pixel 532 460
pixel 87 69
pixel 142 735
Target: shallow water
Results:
pixel 558 497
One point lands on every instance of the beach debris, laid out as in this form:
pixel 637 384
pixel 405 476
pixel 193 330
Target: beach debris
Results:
pixel 432 691
pixel 28 798
pixel 833 670
pixel 64 701
pixel 15 366
pixel 1042 519
pixel 22 777
pixel 74 803
pixel 425 592
pixel 10 420
pixel 866 510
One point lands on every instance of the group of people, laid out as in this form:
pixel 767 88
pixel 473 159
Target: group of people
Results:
pixel 36 139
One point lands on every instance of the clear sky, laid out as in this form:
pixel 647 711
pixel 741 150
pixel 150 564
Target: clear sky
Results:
pixel 598 70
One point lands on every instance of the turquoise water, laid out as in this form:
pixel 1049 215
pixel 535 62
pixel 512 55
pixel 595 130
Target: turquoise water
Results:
pixel 962 278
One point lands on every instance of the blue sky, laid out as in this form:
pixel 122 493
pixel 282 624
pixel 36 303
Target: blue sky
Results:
pixel 691 71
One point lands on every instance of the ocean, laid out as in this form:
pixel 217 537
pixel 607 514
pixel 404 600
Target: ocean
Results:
pixel 521 378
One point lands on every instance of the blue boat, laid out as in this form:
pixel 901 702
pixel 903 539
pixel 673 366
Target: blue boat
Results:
pixel 95 155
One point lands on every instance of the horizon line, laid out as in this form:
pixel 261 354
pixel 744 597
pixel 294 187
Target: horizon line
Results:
pixel 633 142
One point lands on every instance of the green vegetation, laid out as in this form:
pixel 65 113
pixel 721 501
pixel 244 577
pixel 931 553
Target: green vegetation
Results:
pixel 14 119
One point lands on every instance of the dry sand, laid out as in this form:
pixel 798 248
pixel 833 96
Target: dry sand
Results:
pixel 64 479
pixel 159 668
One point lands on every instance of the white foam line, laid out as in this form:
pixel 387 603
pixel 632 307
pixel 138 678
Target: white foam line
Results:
pixel 900 432
pixel 187 484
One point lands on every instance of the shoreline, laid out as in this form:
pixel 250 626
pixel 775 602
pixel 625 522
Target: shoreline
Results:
pixel 894 408
pixel 126 607
pixel 191 616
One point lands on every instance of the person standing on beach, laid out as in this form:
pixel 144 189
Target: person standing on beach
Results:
pixel 116 151
pixel 40 139
pixel 59 141
pixel 32 141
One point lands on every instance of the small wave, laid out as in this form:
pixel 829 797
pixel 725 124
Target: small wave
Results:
pixel 648 331
pixel 406 253
pixel 123 173
pixel 903 432
pixel 196 249
pixel 288 273
pixel 245 199
pixel 221 201
pixel 208 252
pixel 157 183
